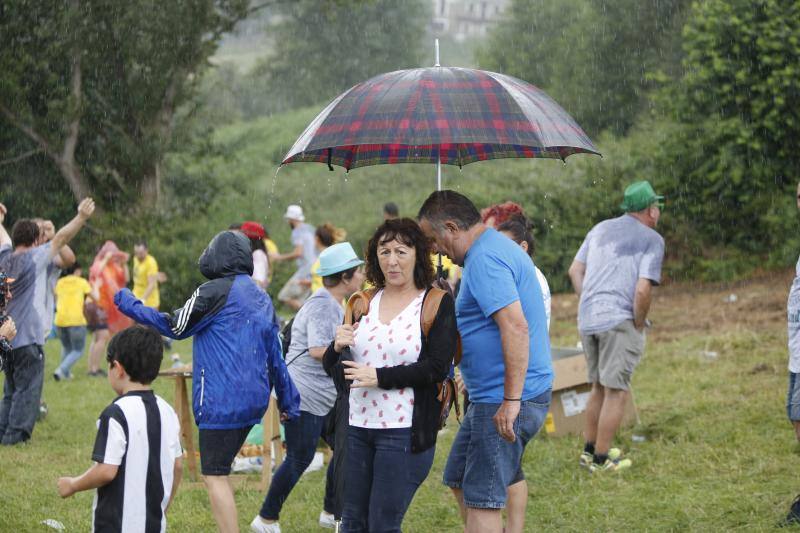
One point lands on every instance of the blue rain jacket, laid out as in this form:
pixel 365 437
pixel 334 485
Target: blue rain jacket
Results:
pixel 236 355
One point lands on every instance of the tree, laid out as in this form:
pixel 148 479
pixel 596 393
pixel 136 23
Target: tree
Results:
pixel 737 109
pixel 93 86
pixel 323 47
pixel 743 70
pixel 595 57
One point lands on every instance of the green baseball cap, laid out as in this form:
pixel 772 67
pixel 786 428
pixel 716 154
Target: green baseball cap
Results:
pixel 640 195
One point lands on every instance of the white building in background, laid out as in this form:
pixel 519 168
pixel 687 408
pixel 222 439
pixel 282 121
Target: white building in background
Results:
pixel 466 18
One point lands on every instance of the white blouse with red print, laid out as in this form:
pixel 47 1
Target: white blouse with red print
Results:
pixel 382 345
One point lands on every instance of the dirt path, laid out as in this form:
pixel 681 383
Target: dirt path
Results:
pixel 679 308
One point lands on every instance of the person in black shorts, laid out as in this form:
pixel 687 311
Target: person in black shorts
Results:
pixel 236 360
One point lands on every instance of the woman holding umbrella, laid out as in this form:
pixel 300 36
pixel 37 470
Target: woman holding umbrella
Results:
pixel 394 412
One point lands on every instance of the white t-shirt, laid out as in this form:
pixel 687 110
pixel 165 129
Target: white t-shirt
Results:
pixel 260 268
pixel 545 294
pixel 381 345
pixel 793 322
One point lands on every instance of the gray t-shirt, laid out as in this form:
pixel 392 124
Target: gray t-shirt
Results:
pixel 793 316
pixel 314 326
pixel 303 235
pixel 29 270
pixel 616 252
pixel 49 309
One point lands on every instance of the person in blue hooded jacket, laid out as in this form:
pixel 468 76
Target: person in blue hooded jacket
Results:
pixel 236 359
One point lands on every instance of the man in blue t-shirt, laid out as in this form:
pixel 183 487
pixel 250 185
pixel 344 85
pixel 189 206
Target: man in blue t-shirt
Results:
pixel 506 357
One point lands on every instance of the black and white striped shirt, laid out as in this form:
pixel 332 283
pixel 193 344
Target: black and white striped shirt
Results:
pixel 140 433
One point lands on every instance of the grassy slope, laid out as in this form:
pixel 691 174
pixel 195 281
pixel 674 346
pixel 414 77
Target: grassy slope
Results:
pixel 718 456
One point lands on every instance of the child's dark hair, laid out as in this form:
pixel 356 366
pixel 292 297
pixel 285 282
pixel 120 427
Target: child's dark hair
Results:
pixel 519 227
pixel 70 270
pixel 140 350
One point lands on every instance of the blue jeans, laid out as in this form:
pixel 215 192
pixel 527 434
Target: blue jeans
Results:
pixel 22 393
pixel 302 435
pixel 793 398
pixel 382 478
pixel 481 463
pixel 73 340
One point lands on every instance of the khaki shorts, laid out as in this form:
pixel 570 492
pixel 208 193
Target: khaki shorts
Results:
pixel 612 356
pixel 293 290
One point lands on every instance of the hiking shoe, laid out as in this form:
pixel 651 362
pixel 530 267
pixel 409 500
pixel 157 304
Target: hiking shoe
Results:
pixel 793 518
pixel 611 465
pixel 259 526
pixel 326 520
pixel 586 459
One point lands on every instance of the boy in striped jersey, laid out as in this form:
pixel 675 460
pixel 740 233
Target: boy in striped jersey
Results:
pixel 137 451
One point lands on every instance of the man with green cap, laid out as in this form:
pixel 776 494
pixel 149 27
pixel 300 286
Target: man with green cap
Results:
pixel 613 274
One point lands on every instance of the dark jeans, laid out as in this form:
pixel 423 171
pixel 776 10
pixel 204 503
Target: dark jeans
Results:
pixel 302 435
pixel 73 340
pixel 382 478
pixel 22 393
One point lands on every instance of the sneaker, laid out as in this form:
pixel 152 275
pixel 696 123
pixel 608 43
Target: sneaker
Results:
pixel 793 518
pixel 326 520
pixel 586 458
pixel 57 376
pixel 611 465
pixel 259 526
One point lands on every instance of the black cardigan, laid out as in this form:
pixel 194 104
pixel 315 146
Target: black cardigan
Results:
pixel 435 357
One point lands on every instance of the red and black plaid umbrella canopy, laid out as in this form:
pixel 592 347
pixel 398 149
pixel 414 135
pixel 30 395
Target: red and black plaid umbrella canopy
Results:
pixel 456 114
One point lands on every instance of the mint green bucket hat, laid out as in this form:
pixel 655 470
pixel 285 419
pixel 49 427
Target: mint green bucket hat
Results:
pixel 337 258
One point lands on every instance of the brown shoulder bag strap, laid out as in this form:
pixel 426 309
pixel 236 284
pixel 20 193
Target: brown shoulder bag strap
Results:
pixel 430 307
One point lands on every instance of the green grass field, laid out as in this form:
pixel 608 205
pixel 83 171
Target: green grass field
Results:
pixel 719 453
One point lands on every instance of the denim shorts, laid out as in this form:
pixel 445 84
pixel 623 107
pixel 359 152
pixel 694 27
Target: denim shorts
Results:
pixel 481 463
pixel 793 397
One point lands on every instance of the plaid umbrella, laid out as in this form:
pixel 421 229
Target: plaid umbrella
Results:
pixel 450 115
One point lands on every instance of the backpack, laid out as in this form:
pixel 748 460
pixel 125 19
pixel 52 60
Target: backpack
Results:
pixel 285 336
pixel 447 393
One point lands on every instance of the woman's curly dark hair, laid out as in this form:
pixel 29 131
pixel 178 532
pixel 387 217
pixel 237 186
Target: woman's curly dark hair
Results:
pixel 408 232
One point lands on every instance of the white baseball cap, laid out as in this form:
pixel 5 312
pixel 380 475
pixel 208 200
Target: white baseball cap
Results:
pixel 295 212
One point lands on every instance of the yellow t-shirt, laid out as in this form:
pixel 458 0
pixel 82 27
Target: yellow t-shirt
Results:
pixel 447 265
pixel 70 293
pixel 316 279
pixel 141 271
pixel 272 249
